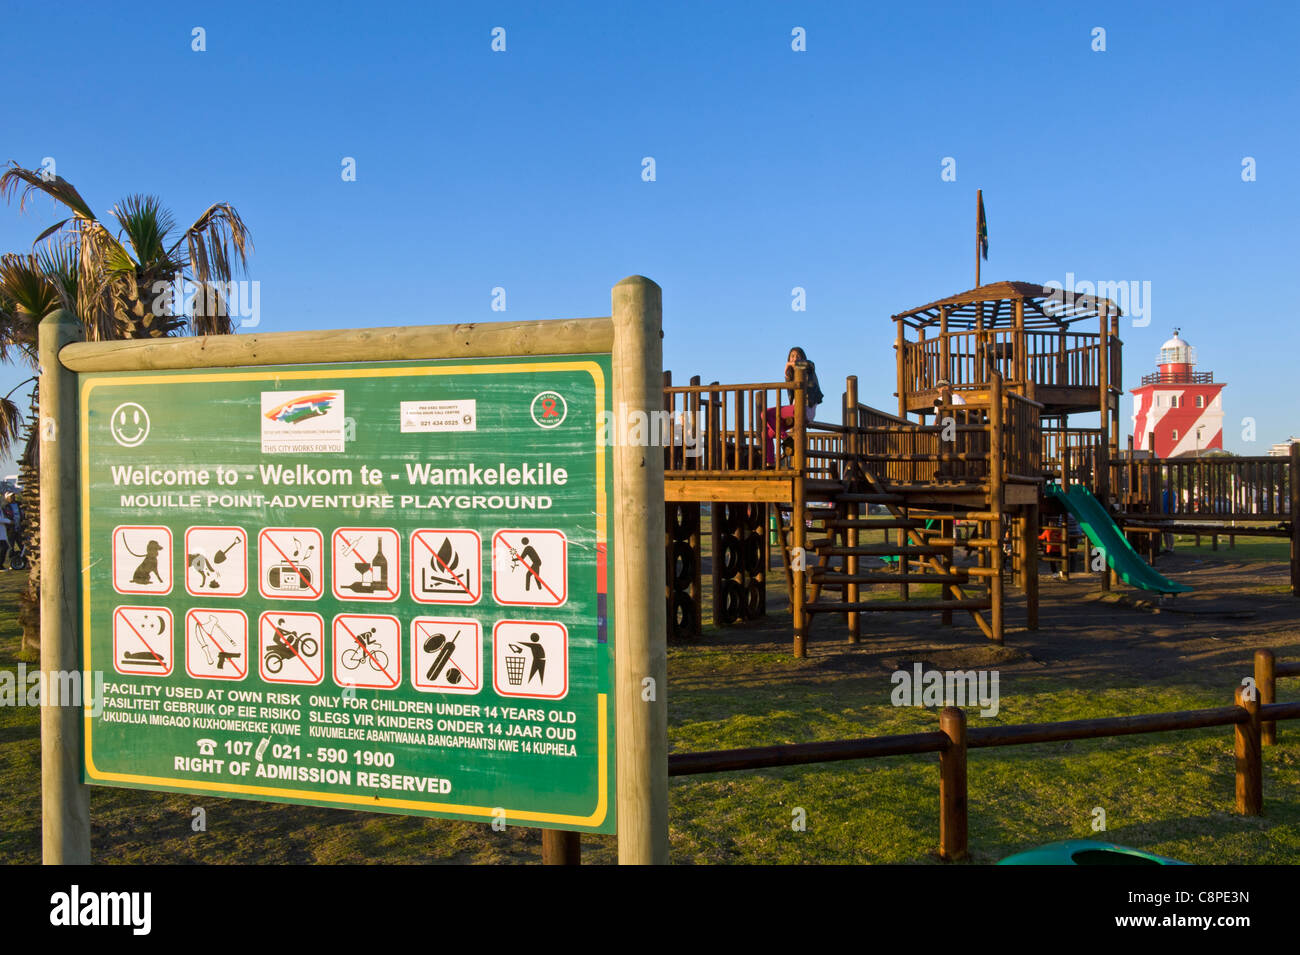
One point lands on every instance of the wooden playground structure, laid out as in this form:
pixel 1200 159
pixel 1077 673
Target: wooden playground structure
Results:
pixel 869 498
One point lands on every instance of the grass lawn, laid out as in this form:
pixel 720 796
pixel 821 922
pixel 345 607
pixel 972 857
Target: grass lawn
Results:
pixel 1171 793
pixel 1273 549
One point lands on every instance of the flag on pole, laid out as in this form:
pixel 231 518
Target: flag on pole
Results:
pixel 982 226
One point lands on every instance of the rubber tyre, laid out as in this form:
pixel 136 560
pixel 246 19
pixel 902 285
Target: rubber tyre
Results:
pixel 729 555
pixel 755 600
pixel 684 564
pixel 752 554
pixel 733 601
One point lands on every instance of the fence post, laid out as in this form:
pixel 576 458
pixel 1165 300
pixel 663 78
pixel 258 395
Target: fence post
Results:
pixel 798 531
pixel 65 800
pixel 1266 687
pixel 952 786
pixel 561 847
pixel 850 422
pixel 1250 765
pixel 639 611
pixel 1294 480
pixel 995 506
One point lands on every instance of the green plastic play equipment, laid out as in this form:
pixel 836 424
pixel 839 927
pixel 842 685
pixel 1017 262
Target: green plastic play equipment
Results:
pixel 1101 530
pixel 1087 852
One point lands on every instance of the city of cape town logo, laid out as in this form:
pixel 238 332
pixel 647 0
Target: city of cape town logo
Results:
pixel 303 407
pixel 294 422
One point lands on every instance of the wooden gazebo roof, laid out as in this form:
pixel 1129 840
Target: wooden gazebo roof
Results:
pixel 1045 308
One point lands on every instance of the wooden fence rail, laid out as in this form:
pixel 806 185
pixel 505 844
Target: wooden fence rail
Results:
pixel 1248 715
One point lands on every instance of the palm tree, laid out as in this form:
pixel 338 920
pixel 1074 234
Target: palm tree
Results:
pixel 119 286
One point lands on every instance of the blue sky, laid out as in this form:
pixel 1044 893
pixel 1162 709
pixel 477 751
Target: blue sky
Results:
pixel 774 168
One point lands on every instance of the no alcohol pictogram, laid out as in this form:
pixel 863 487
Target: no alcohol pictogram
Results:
pixel 142 640
pixel 366 563
pixel 530 568
pixel 446 566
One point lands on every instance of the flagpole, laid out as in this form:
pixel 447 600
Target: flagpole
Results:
pixel 979 201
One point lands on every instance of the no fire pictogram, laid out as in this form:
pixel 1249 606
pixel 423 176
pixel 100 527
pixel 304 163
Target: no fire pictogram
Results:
pixel 446 566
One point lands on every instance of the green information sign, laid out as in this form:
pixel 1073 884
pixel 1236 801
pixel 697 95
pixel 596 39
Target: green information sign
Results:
pixel 373 585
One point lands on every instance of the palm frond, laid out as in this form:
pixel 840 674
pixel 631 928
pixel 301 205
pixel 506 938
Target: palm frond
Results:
pixel 212 239
pixel 30 182
pixel 12 421
pixel 147 226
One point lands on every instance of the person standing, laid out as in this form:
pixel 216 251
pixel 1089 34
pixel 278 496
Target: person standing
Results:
pixel 5 528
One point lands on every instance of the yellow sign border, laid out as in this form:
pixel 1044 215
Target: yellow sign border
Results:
pixel 384 371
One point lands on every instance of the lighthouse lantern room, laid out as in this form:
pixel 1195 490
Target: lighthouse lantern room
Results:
pixel 1181 409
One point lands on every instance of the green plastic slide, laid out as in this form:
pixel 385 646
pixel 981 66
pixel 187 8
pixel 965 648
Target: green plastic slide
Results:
pixel 1101 530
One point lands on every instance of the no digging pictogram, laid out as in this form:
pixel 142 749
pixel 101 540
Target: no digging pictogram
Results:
pixel 142 641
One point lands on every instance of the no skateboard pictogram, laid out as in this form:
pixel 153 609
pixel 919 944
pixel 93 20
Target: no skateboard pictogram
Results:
pixel 530 659
pixel 446 655
pixel 142 559
pixel 216 644
pixel 367 651
pixel 289 562
pixel 446 566
pixel 142 640
pixel 289 647
pixel 530 568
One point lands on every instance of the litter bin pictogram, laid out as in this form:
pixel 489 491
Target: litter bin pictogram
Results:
pixel 515 669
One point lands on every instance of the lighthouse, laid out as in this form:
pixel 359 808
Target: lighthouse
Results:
pixel 1181 407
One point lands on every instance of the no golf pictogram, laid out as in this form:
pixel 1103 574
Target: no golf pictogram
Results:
pixel 446 655
pixel 367 651
pixel 530 568
pixel 142 559
pixel 530 659
pixel 289 562
pixel 289 647
pixel 446 566
pixel 216 644
pixel 142 640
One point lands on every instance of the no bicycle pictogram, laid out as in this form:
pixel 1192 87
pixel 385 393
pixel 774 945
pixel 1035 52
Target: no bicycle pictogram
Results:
pixel 142 641
pixel 367 651
pixel 289 562
pixel 530 568
pixel 446 566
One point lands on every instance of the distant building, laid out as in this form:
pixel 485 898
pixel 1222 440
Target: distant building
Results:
pixel 1284 449
pixel 1180 408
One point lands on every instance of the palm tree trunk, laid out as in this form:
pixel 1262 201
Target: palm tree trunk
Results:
pixel 29 471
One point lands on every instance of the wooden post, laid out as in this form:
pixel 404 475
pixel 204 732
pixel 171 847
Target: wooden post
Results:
pixel 1266 686
pixel 995 503
pixel 1021 360
pixel 639 612
pixel 851 536
pixel 945 346
pixel 560 847
pixel 798 510
pixel 1294 481
pixel 1102 479
pixel 953 824
pixel 65 800
pixel 1029 571
pixel 900 346
pixel 1250 764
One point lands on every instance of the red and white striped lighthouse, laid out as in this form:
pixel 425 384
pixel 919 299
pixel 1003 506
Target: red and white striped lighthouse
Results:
pixel 1182 407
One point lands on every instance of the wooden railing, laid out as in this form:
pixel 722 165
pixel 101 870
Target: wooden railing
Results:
pixel 1205 489
pixel 969 358
pixel 1248 714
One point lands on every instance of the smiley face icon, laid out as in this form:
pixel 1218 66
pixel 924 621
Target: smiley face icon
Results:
pixel 129 425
